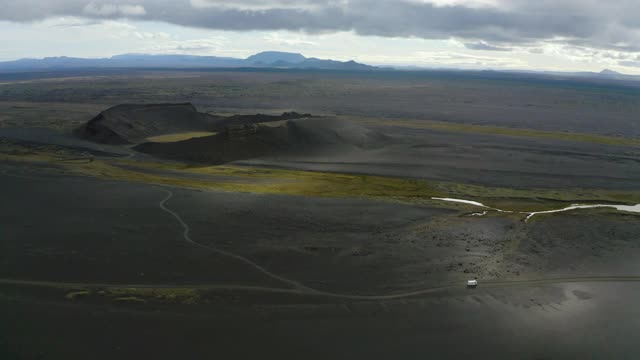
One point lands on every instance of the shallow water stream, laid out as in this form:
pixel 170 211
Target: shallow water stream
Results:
pixel 530 214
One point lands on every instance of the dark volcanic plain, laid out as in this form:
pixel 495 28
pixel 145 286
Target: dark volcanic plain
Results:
pixel 334 249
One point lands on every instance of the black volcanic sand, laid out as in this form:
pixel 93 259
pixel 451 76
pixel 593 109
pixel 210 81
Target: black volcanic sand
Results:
pixel 338 145
pixel 106 231
pixel 491 160
pixel 90 230
pixel 489 98
pixel 44 136
pixel 593 242
pixel 372 247
pixel 84 229
pixel 564 321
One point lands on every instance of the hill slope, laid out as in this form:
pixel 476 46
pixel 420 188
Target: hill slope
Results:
pixel 132 123
pixel 302 136
pixel 129 123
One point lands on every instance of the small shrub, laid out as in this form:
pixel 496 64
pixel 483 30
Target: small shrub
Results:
pixel 130 300
pixel 73 296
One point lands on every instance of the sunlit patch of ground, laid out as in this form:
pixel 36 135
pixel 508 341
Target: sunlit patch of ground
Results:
pixel 497 130
pixel 310 183
pixel 179 136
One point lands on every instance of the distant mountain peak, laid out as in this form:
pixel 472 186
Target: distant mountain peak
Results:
pixel 270 57
pixel 609 72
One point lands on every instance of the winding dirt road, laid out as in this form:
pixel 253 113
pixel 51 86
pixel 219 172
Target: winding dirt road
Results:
pixel 263 289
pixel 301 289
pixel 187 238
pixel 297 288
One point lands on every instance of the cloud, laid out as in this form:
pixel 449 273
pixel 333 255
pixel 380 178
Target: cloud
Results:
pixel 629 63
pixel 278 39
pixel 257 5
pixel 535 50
pixel 612 25
pixel 73 22
pixel 94 9
pixel 165 45
pixel 484 46
pixel 151 35
pixel 110 28
pixel 447 58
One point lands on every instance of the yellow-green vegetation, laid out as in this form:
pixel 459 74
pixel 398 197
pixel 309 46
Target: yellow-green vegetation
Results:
pixel 151 292
pixel 179 136
pixel 75 295
pixel 128 295
pixel 535 199
pixel 130 300
pixel 497 130
pixel 323 184
pixel 290 182
pixel 185 296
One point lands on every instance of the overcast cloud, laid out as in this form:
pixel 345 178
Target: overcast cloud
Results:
pixel 499 23
pixel 591 32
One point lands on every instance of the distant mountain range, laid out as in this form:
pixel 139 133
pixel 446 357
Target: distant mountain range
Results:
pixel 268 59
pixel 605 74
pixel 610 74
pixel 273 59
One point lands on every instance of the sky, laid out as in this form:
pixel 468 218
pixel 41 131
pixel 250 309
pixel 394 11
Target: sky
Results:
pixel 556 35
